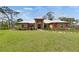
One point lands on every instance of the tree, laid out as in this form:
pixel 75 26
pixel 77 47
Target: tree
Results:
pixel 77 20
pixel 70 20
pixel 4 25
pixel 9 13
pixel 18 20
pixel 49 15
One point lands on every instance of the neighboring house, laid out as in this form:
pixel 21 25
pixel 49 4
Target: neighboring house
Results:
pixel 76 25
pixel 40 23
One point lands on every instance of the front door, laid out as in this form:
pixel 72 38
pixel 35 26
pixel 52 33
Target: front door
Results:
pixel 39 26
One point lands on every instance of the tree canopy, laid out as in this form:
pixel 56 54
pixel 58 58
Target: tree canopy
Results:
pixel 20 19
pixel 49 15
pixel 71 20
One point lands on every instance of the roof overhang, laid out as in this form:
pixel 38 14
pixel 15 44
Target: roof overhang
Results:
pixel 54 21
pixel 27 22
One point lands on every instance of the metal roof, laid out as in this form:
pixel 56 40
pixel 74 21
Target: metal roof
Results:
pixel 54 21
pixel 45 21
pixel 30 21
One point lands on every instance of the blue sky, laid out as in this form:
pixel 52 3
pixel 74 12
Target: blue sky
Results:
pixel 30 12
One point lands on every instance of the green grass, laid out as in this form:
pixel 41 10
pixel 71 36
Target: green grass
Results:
pixel 38 41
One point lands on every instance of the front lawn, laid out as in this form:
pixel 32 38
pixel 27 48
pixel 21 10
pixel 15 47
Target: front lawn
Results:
pixel 38 41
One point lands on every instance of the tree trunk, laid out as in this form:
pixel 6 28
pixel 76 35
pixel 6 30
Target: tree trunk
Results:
pixel 8 20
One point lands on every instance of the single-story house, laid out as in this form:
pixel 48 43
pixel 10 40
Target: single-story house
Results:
pixel 40 23
pixel 76 25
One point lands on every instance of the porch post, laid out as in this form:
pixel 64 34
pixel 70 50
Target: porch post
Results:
pixel 42 25
pixel 35 26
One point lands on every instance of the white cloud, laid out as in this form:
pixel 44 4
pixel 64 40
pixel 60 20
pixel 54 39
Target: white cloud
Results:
pixel 28 8
pixel 74 7
pixel 19 10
